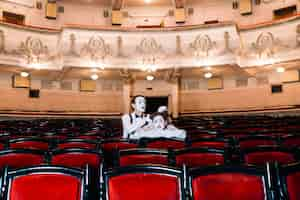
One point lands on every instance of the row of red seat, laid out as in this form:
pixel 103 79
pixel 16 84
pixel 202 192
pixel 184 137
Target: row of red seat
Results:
pixel 191 157
pixel 159 143
pixel 154 182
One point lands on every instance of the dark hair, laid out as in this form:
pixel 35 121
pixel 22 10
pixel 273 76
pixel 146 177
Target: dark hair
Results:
pixel 163 114
pixel 134 98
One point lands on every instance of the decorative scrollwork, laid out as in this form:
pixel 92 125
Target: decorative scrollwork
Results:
pixel 148 46
pixel 96 48
pixel 33 49
pixel 202 45
pixel 150 51
pixel 265 44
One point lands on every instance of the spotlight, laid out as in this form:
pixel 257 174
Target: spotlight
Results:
pixel 24 74
pixel 208 75
pixel 280 69
pixel 150 77
pixel 94 77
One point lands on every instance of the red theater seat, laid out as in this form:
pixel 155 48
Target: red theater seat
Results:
pixel 29 143
pixel 196 157
pixel 290 181
pixel 77 143
pixel 76 157
pixel 142 156
pixel 254 141
pixel 110 145
pixel 17 158
pixel 47 183
pixel 291 141
pixel 164 143
pixel 262 154
pixel 219 143
pixel 228 183
pixel 144 182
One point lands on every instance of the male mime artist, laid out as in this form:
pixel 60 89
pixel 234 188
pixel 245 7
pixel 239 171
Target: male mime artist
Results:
pixel 137 119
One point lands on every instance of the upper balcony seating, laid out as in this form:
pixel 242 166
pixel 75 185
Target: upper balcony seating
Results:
pixel 143 182
pixel 45 182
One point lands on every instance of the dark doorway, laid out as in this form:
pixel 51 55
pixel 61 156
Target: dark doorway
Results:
pixel 154 102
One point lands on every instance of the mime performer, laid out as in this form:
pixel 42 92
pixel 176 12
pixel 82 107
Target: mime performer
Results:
pixel 137 119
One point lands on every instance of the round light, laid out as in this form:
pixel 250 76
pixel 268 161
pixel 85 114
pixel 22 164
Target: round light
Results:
pixel 147 1
pixel 208 68
pixel 208 75
pixel 150 78
pixel 94 77
pixel 94 70
pixel 280 69
pixel 24 74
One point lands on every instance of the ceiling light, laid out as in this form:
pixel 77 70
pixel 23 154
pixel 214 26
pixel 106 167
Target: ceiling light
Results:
pixel 280 69
pixel 147 1
pixel 94 70
pixel 208 68
pixel 94 77
pixel 24 74
pixel 150 77
pixel 208 75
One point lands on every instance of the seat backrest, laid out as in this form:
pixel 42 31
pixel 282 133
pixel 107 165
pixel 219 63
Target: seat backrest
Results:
pixel 76 157
pixel 263 154
pixel 77 143
pixel 143 182
pixel 210 143
pixel 113 144
pixel 164 143
pixel 29 143
pixel 228 183
pixel 290 181
pixel 291 141
pixel 47 183
pixel 254 141
pixel 17 158
pixel 196 157
pixel 142 156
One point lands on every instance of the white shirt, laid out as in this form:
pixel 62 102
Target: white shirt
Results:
pixel 131 123
pixel 169 132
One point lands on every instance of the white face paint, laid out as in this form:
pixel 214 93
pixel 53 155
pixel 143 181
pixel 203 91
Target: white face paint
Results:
pixel 159 122
pixel 139 104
